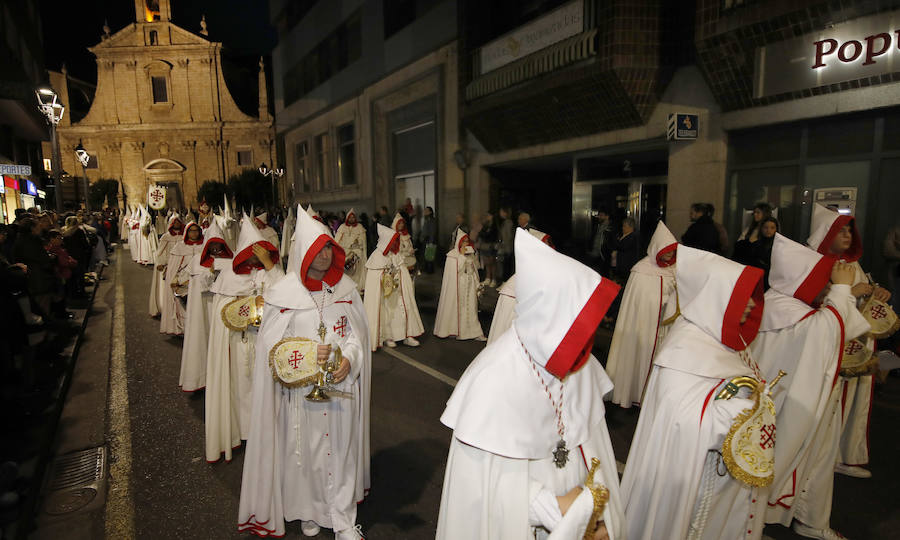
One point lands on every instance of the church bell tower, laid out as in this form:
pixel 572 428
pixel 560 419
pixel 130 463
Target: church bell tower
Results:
pixel 152 10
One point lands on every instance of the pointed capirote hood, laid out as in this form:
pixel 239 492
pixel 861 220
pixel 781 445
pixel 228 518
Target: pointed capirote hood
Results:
pixel 313 214
pixel 388 241
pixel 662 242
pixel 397 219
pixel 542 236
pixel 173 223
pixel 262 220
pixel 310 237
pixel 287 233
pixel 713 293
pixel 351 212
pixel 796 277
pixel 249 236
pixel 826 224
pixel 556 316
pixel 214 236
pixel 460 241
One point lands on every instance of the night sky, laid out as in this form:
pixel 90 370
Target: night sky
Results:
pixel 69 28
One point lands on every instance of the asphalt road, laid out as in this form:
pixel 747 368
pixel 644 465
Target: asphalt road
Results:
pixel 177 494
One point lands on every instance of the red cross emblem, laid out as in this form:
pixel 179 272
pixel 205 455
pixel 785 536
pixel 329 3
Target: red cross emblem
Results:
pixel 853 347
pixel 341 326
pixel 878 312
pixel 156 195
pixel 295 359
pixel 244 311
pixel 767 436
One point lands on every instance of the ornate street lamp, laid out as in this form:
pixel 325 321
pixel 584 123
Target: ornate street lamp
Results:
pixel 271 173
pixel 52 109
pixel 84 158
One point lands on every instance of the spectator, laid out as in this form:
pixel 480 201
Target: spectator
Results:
pixel 524 220
pixel 761 250
pixel 78 245
pixel 626 254
pixel 29 250
pixel 744 243
pixel 384 217
pixel 723 234
pixel 14 290
pixel 601 246
pixel 429 238
pixel 506 232
pixel 703 233
pixel 487 248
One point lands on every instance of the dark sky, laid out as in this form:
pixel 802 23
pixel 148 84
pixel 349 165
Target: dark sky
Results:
pixel 69 28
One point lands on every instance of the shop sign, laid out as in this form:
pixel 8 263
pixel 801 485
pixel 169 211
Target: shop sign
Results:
pixel 682 127
pixel 11 182
pixel 42 194
pixel 561 23
pixel 860 48
pixel 6 168
pixel 30 189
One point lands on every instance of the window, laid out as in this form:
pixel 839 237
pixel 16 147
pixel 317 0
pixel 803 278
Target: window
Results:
pixel 301 183
pixel 323 175
pixel 245 158
pixel 331 55
pixel 346 155
pixel 160 92
pixel 154 37
pixel 397 15
pixel 92 162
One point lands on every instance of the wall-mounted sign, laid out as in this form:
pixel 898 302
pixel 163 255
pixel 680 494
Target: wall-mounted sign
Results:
pixel 682 127
pixel 30 188
pixel 11 182
pixel 856 49
pixel 42 194
pixel 6 168
pixel 561 23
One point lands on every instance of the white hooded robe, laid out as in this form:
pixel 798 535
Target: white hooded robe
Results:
pixel 352 239
pixel 457 312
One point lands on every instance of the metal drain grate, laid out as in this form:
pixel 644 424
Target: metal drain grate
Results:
pixel 75 480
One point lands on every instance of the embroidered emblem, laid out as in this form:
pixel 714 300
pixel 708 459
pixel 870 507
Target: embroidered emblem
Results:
pixel 853 347
pixel 878 312
pixel 295 358
pixel 341 326
pixel 767 436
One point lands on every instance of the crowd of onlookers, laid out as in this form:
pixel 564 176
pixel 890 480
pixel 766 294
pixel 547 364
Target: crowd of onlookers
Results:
pixel 46 260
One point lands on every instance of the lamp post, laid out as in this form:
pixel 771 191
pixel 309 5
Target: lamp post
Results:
pixel 52 109
pixel 84 158
pixel 271 173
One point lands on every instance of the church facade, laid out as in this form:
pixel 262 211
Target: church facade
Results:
pixel 162 112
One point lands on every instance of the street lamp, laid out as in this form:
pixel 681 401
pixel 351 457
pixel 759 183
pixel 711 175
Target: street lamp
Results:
pixel 83 157
pixel 271 173
pixel 52 109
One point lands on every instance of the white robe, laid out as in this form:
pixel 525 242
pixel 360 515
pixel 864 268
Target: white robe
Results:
pixel 807 400
pixel 157 287
pixel 308 460
pixel 647 301
pixel 397 316
pixel 270 235
pixel 504 311
pixel 457 312
pixel 672 464
pixel 353 241
pixel 196 328
pixel 178 269
pixel 856 405
pixel 229 364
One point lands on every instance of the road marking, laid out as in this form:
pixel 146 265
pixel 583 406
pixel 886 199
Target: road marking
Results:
pixel 119 505
pixel 420 366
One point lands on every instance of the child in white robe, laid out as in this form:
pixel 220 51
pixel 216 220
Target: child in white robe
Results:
pixel 457 312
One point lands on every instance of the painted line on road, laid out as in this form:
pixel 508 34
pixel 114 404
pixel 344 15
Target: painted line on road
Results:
pixel 420 366
pixel 119 504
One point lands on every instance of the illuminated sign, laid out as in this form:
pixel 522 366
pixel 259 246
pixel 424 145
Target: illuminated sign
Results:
pixel 682 127
pixel 11 182
pixel 6 168
pixel 856 49
pixel 42 194
pixel 30 189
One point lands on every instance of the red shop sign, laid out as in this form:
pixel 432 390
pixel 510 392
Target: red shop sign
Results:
pixel 11 182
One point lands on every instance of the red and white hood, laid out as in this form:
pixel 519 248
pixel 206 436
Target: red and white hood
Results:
pixel 313 214
pixel 713 293
pixel 397 219
pixel 797 275
pixel 826 223
pixel 351 212
pixel 184 237
pixel 213 236
pixel 262 220
pixel 662 242
pixel 173 224
pixel 310 236
pixel 250 235
pixel 184 247
pixel 542 236
pixel 560 303
pixel 462 245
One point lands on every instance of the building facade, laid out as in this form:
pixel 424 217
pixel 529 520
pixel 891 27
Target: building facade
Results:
pixel 366 98
pixel 162 112
pixel 566 105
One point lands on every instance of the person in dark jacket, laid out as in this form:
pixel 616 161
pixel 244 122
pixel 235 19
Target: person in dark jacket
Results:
pixel 703 233
pixel 761 250
pixel 429 236
pixel 626 254
pixel 29 250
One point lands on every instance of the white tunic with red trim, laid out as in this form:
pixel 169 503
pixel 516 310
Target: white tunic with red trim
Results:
pixel 648 300
pixel 806 343
pixel 504 311
pixel 308 460
pixel 395 317
pixel 161 257
pixel 178 270
pixel 500 481
pixel 352 238
pixel 457 312
pixel 674 467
